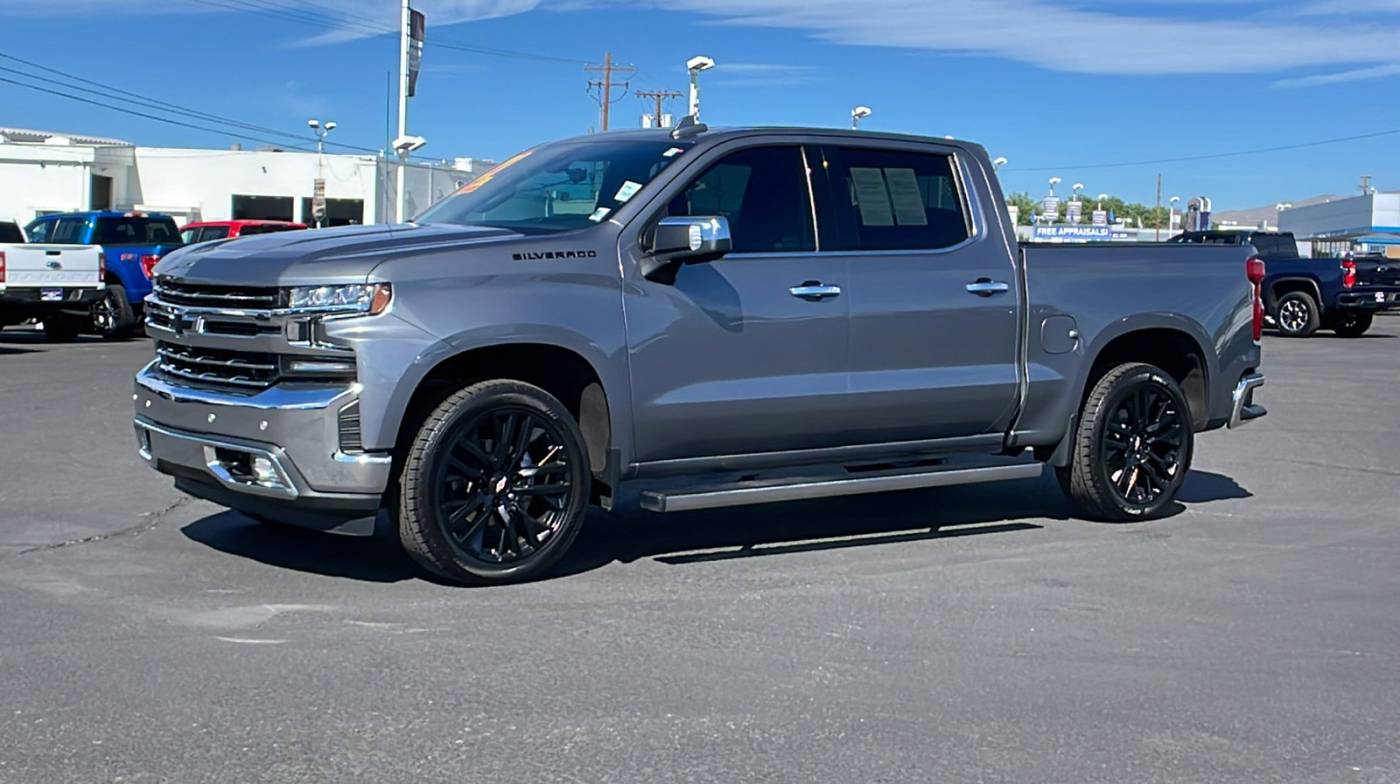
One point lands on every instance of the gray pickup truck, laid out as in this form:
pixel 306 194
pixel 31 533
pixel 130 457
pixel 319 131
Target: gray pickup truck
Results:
pixel 681 320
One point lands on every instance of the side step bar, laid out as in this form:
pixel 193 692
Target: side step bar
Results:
pixel 746 493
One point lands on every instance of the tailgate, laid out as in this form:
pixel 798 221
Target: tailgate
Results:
pixel 1376 272
pixel 29 266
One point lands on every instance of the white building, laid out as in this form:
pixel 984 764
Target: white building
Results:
pixel 42 172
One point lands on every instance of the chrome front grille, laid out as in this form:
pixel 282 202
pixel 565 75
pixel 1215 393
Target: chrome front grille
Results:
pixel 220 367
pixel 175 292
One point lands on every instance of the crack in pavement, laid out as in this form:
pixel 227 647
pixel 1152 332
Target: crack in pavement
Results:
pixel 156 518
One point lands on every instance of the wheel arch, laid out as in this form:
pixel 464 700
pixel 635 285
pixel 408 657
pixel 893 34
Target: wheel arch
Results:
pixel 563 371
pixel 1278 288
pixel 1174 346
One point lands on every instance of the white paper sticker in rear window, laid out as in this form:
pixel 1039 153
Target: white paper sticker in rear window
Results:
pixel 872 197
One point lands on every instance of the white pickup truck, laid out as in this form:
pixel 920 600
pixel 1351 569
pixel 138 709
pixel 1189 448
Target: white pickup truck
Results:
pixel 57 284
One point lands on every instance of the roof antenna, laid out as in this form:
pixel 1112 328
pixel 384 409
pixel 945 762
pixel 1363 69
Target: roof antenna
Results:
pixel 688 127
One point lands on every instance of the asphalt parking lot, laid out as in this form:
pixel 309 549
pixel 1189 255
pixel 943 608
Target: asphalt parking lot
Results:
pixel 961 634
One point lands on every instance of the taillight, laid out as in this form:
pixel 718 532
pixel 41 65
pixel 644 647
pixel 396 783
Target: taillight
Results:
pixel 2 266
pixel 1255 271
pixel 148 264
pixel 101 266
pixel 1348 273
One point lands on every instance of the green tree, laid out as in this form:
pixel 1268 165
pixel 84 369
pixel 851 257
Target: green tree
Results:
pixel 1023 202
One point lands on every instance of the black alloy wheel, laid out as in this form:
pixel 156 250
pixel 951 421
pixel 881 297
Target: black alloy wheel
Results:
pixel 495 486
pixel 113 316
pixel 1142 444
pixel 504 488
pixel 1132 446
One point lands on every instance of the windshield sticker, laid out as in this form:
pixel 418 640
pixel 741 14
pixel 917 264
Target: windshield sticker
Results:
pixel 673 152
pixel 627 191
pixel 872 197
pixel 908 201
pixel 599 214
pixel 491 173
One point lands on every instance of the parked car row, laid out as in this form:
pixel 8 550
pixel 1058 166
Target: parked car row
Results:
pixel 1303 295
pixel 91 271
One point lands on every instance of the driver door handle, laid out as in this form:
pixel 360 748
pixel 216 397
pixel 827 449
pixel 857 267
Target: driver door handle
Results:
pixel 814 291
pixel 986 287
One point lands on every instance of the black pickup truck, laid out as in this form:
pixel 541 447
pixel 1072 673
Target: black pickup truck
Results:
pixel 1302 295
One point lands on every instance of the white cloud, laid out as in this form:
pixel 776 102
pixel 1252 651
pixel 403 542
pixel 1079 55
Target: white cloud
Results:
pixel 1354 75
pixel 1063 36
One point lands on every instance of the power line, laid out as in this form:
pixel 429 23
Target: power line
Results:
pixel 1218 155
pixel 144 101
pixel 124 110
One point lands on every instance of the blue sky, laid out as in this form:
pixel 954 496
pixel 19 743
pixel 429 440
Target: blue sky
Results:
pixel 1063 85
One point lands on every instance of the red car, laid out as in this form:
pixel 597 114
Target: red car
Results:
pixel 219 230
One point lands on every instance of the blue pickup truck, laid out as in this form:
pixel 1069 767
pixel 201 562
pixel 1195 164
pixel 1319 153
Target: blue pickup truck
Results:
pixel 1303 295
pixel 132 242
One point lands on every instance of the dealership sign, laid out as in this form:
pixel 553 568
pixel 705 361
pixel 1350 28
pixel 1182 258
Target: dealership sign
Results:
pixel 1074 233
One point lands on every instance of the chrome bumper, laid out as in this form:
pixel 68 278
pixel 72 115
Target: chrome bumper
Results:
pixel 1244 409
pixel 190 433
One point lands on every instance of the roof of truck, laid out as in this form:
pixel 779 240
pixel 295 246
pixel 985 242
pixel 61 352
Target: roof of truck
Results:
pixel 659 134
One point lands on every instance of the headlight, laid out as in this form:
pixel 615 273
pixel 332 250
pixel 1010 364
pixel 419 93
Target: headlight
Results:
pixel 369 298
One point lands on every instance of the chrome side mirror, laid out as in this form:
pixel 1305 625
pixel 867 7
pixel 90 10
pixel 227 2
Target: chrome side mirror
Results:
pixel 685 240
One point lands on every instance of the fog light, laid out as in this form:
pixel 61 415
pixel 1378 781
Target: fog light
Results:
pixel 265 472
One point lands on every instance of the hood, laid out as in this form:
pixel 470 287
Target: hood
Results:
pixel 289 258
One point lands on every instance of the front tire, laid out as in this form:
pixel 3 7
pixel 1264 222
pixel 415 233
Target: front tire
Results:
pixel 495 485
pixel 1132 448
pixel 1352 325
pixel 113 317
pixel 1298 315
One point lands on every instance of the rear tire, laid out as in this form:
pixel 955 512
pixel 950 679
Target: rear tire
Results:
pixel 495 485
pixel 113 317
pixel 1352 325
pixel 1298 315
pixel 61 328
pixel 1132 447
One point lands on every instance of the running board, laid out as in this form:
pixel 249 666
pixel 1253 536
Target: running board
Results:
pixel 746 493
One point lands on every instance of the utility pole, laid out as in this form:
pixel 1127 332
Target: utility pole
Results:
pixel 605 85
pixel 401 183
pixel 1157 213
pixel 660 96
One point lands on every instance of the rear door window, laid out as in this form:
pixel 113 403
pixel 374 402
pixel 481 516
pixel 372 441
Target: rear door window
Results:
pixel 68 231
pixel 214 233
pixel 893 200
pixel 132 230
pixel 763 193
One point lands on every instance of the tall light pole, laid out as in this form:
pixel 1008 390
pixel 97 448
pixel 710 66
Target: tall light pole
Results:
pixel 1053 182
pixel 694 66
pixel 999 162
pixel 1171 212
pixel 318 192
pixel 857 114
pixel 1280 208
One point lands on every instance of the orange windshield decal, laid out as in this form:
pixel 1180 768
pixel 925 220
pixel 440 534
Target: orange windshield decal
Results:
pixel 493 171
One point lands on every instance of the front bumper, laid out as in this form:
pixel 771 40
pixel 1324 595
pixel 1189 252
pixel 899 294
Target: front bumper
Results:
pixel 209 441
pixel 1244 409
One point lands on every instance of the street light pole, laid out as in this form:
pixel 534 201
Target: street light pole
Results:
pixel 694 66
pixel 857 114
pixel 1171 212
pixel 318 192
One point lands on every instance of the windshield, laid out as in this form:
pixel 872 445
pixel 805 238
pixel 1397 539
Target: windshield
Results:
pixel 557 187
